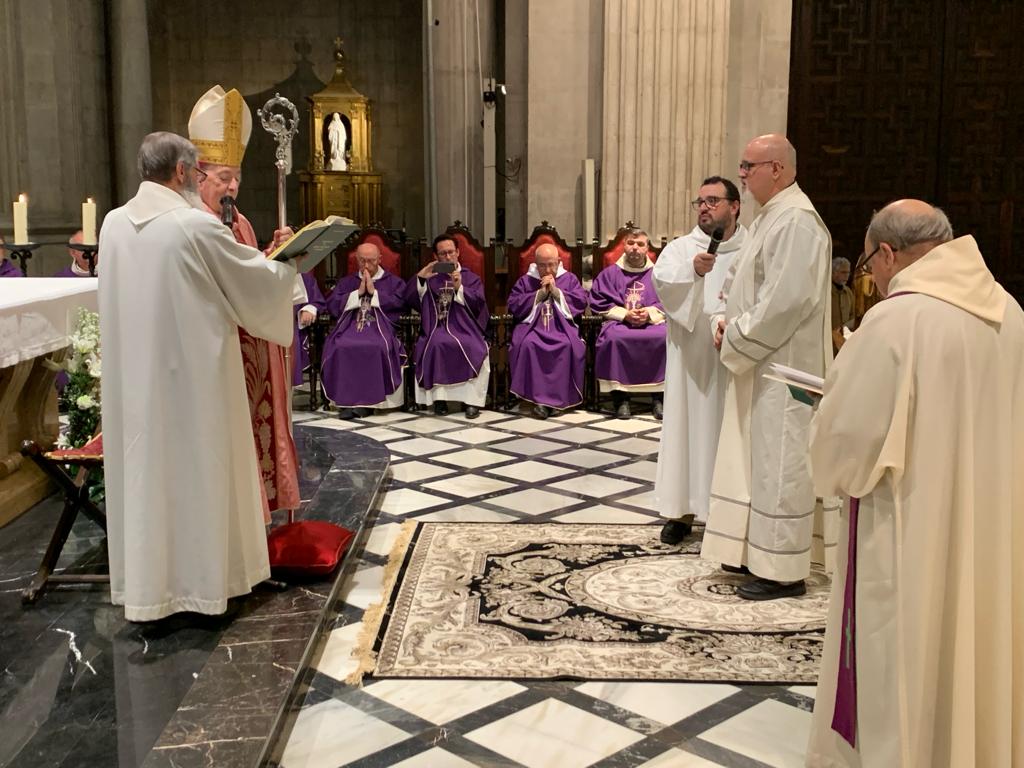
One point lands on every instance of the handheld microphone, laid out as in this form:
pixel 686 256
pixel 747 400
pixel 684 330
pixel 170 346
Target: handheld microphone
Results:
pixel 227 210
pixel 716 240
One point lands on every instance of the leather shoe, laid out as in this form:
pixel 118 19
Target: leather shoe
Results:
pixel 472 411
pixel 623 412
pixel 362 413
pixel 541 411
pixel 736 569
pixel 440 408
pixel 766 589
pixel 658 409
pixel 674 531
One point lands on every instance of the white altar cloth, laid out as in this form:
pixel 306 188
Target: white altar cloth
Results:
pixel 37 314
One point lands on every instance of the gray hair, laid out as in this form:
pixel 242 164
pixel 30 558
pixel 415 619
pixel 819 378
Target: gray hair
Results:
pixel 901 229
pixel 637 232
pixel 160 154
pixel 840 262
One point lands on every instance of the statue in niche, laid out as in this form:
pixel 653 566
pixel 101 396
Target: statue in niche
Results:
pixel 338 138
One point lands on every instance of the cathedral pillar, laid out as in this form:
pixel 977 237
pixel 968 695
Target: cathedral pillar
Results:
pixel 131 89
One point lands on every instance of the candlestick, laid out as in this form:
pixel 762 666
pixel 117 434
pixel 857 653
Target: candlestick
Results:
pixel 21 220
pixel 89 222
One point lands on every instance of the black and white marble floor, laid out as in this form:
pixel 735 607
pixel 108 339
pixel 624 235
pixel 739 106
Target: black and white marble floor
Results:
pixel 577 467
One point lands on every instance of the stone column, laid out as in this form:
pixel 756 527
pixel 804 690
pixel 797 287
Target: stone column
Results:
pixel 666 74
pixel 131 89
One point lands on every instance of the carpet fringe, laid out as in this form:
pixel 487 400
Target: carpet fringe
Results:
pixel 374 614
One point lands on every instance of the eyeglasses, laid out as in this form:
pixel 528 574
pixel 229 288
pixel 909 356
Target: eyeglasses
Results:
pixel 863 263
pixel 708 202
pixel 200 174
pixel 746 165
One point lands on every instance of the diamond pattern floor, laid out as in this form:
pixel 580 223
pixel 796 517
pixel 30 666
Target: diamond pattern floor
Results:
pixel 579 467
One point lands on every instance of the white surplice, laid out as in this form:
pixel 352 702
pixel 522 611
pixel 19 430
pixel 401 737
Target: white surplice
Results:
pixel 184 522
pixel 694 376
pixel 923 420
pixel 763 511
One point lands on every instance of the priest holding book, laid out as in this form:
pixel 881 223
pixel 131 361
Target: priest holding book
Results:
pixel 220 126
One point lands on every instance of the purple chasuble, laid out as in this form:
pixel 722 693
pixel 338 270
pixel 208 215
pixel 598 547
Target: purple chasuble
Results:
pixel 363 356
pixel 7 269
pixel 628 355
pixel 69 272
pixel 302 335
pixel 451 348
pixel 547 354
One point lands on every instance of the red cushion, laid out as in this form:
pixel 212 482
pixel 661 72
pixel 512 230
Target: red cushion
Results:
pixel 526 258
pixel 389 258
pixel 93 449
pixel 307 548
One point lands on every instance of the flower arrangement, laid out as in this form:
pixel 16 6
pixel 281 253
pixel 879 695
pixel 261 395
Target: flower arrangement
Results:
pixel 81 396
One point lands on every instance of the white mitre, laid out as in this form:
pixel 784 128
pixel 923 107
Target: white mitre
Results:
pixel 220 126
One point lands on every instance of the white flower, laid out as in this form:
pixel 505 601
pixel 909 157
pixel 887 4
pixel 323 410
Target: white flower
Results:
pixel 85 402
pixel 62 441
pixel 95 367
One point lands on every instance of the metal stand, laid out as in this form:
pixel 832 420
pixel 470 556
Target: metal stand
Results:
pixel 89 251
pixel 23 252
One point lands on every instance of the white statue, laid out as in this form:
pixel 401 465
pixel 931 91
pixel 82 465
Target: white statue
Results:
pixel 337 136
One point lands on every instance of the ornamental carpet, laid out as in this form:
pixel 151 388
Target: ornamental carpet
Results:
pixel 582 601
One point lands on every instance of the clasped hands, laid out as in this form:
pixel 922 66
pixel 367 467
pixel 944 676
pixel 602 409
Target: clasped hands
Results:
pixel 365 283
pixel 548 288
pixel 637 317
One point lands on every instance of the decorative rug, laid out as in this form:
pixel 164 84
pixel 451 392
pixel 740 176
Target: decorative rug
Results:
pixel 580 601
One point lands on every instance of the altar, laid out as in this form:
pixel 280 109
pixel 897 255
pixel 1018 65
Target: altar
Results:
pixel 36 317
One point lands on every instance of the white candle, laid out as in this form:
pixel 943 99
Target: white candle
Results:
pixel 89 222
pixel 21 220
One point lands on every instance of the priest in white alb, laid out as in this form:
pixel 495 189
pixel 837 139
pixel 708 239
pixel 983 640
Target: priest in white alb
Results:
pixel 688 281
pixel 185 525
pixel 764 517
pixel 922 425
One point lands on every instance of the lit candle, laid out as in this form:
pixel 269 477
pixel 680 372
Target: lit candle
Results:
pixel 21 220
pixel 89 222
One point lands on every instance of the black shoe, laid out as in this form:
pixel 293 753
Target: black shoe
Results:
pixel 674 531
pixel 766 589
pixel 362 413
pixel 622 411
pixel 472 411
pixel 347 413
pixel 440 408
pixel 541 411
pixel 736 569
pixel 658 409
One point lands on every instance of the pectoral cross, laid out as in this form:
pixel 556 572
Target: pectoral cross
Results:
pixel 364 316
pixel 546 314
pixel 634 296
pixel 446 295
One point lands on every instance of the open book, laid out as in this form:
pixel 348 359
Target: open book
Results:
pixel 317 239
pixel 805 387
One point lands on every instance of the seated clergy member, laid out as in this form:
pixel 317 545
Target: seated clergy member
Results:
pixel 363 356
pixel 79 266
pixel 219 126
pixel 451 352
pixel 631 347
pixel 546 355
pixel 7 268
pixel 305 315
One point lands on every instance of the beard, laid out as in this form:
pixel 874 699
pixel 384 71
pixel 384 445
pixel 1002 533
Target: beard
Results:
pixel 191 194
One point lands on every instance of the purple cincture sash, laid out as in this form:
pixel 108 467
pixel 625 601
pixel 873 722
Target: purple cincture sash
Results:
pixel 844 717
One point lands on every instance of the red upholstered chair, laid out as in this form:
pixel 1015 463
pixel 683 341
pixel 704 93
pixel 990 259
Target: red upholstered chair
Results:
pixel 605 256
pixel 520 258
pixel 473 256
pixel 393 255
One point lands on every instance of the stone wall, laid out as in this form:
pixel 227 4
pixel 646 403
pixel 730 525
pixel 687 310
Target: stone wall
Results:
pixel 262 46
